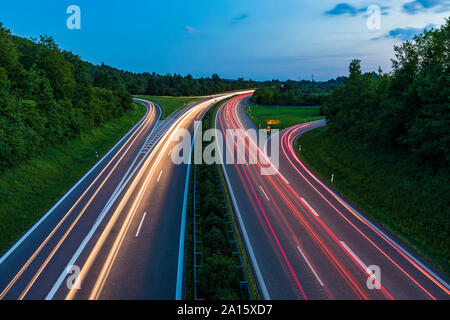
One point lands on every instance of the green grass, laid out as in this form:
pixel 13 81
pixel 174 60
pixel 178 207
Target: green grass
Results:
pixel 389 188
pixel 30 189
pixel 288 116
pixel 170 104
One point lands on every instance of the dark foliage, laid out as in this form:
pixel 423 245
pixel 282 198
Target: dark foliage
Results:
pixel 177 85
pixel 218 278
pixel 48 96
pixel 294 93
pixel 406 112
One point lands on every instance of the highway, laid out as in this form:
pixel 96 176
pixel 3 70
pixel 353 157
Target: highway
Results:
pixel 120 229
pixel 31 266
pixel 305 241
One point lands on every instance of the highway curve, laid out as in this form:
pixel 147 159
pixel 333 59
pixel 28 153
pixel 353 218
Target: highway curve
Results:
pixel 98 229
pixel 140 252
pixel 304 240
pixel 32 265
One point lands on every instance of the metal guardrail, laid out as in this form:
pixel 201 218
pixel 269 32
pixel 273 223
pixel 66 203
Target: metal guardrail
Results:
pixel 198 255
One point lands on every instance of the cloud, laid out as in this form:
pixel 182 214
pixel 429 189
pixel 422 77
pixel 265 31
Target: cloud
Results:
pixel 416 6
pixel 346 8
pixel 239 18
pixel 189 29
pixel 406 33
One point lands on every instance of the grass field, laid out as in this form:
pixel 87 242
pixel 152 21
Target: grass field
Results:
pixel 170 104
pixel 288 116
pixel 30 189
pixel 389 188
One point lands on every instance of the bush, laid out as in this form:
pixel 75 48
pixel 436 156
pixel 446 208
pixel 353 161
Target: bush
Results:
pixel 217 278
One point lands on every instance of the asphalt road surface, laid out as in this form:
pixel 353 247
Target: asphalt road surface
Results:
pixel 118 230
pixel 306 241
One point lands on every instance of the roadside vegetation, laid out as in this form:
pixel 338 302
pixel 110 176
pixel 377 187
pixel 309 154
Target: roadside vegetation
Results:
pixel 288 116
pixel 29 189
pixel 170 104
pixel 177 85
pixel 388 142
pixel 49 96
pixel 294 93
pixel 56 112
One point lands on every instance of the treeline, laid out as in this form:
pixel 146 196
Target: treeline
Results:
pixel 177 85
pixel 166 85
pixel 406 112
pixel 294 93
pixel 48 96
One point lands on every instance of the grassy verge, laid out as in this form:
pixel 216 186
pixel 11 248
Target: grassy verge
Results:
pixel 387 187
pixel 170 104
pixel 288 116
pixel 30 189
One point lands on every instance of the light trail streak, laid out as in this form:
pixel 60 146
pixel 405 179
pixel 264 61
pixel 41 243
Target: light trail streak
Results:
pixel 133 137
pixel 231 114
pixel 293 156
pixel 163 144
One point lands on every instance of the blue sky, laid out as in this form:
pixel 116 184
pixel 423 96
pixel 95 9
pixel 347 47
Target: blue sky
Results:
pixel 258 39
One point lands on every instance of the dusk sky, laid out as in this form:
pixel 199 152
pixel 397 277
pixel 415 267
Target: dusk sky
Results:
pixel 258 39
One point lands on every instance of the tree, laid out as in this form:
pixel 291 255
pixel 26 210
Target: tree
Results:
pixel 407 111
pixel 47 96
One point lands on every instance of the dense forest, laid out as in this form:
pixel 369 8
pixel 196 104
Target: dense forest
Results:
pixel 166 85
pixel 177 85
pixel 48 96
pixel 295 93
pixel 387 142
pixel 405 112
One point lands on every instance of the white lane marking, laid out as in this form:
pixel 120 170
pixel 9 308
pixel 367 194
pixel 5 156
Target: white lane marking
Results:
pixel 278 172
pixel 170 152
pixel 310 208
pixel 264 193
pixel 93 229
pixel 354 256
pixel 22 239
pixel 310 266
pixel 157 180
pixel 144 162
pixel 140 224
pixel 286 180
pixel 359 215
